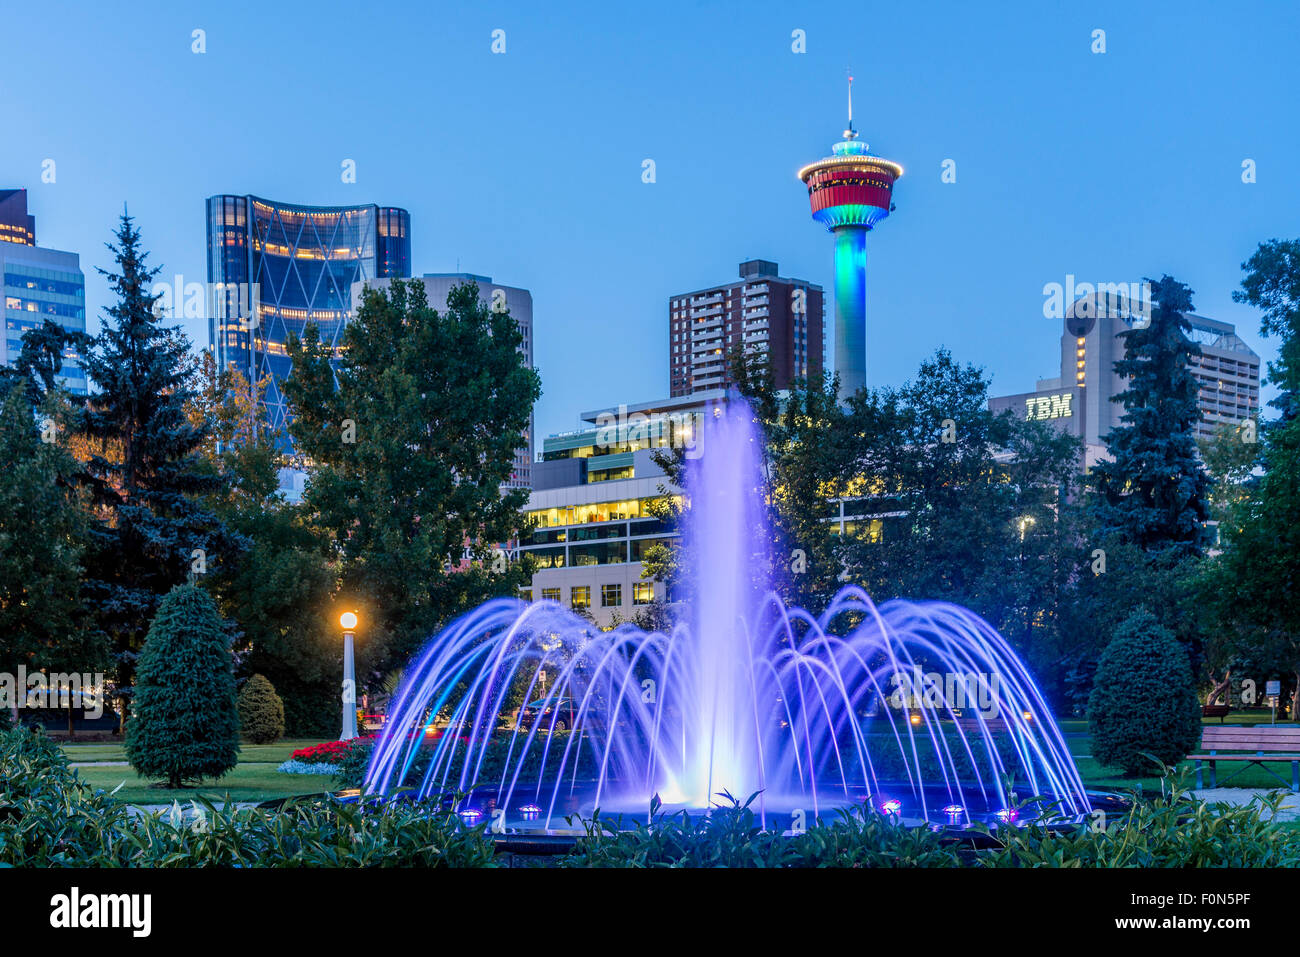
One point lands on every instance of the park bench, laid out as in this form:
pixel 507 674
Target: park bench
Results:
pixel 1249 745
pixel 1219 711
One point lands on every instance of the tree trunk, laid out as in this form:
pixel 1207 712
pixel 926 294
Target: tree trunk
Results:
pixel 72 731
pixel 1220 689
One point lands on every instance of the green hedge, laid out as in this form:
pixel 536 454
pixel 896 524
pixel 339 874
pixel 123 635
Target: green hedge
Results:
pixel 261 712
pixel 49 818
pixel 1143 703
pixel 1172 832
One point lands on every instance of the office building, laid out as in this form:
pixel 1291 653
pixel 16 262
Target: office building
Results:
pixel 773 318
pixel 39 284
pixel 591 505
pixel 283 266
pixel 1078 401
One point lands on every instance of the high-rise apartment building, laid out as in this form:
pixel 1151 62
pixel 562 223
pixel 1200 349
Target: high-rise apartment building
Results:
pixel 287 266
pixel 494 295
pixel 39 284
pixel 768 316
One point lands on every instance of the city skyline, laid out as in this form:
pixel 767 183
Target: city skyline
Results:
pixel 964 268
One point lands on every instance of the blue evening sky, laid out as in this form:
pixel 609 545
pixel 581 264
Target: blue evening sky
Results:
pixel 526 166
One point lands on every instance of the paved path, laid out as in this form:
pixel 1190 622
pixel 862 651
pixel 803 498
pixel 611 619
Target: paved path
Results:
pixel 1240 797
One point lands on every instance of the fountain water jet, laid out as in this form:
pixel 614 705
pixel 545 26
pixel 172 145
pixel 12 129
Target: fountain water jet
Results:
pixel 743 694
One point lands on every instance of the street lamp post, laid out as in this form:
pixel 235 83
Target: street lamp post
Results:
pixel 349 622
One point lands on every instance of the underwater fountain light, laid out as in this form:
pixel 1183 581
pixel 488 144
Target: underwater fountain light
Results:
pixel 1007 815
pixel 751 696
pixel 470 815
pixel 892 806
pixel 954 810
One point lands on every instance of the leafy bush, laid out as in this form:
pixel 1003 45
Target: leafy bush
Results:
pixel 49 818
pixel 1143 701
pixel 731 836
pixel 1173 831
pixel 185 725
pixel 261 712
pixel 331 752
pixel 304 767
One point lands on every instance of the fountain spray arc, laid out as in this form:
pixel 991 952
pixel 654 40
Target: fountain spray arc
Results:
pixel 744 694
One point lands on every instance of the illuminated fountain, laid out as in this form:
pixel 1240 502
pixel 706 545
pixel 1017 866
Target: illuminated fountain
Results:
pixel 920 708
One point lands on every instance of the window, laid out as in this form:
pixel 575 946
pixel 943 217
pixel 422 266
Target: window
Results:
pixel 580 597
pixel 611 596
pixel 550 594
pixel 526 594
pixel 642 593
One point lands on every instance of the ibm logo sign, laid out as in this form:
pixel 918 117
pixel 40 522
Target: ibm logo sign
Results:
pixel 1039 407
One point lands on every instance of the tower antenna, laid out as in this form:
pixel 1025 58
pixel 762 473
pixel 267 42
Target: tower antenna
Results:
pixel 850 133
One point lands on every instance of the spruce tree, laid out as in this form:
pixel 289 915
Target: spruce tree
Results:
pixel 143 474
pixel 1153 493
pixel 186 723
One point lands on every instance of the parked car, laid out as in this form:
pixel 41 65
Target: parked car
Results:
pixel 563 710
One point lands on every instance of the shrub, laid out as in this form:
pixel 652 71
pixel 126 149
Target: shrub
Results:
pixel 185 724
pixel 261 712
pixel 1144 700
pixel 49 818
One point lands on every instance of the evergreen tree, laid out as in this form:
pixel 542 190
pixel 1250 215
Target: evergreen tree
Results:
pixel 261 712
pixel 1153 492
pixel 40 361
pixel 412 431
pixel 1144 700
pixel 142 473
pixel 186 724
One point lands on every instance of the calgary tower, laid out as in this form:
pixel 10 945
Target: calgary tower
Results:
pixel 850 193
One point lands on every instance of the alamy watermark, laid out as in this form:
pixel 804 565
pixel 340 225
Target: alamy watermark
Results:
pixel 37 689
pixel 1102 300
pixel 631 430
pixel 231 304
pixel 955 691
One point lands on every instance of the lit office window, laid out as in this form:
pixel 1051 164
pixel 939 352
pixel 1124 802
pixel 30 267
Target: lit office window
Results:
pixel 580 597
pixel 611 596
pixel 642 593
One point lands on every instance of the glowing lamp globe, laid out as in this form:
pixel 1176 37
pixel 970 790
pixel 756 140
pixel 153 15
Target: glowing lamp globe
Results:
pixel 348 620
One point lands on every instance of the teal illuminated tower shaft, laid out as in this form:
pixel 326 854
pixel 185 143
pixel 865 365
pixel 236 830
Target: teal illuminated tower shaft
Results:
pixel 851 308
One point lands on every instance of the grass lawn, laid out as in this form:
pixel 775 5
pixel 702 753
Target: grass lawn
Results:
pixel 254 779
pixel 247 782
pixel 1096 775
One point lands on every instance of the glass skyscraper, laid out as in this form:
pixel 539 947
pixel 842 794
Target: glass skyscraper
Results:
pixel 39 284
pixel 275 267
